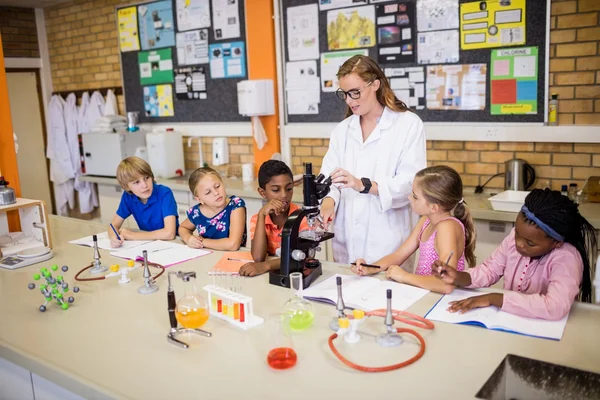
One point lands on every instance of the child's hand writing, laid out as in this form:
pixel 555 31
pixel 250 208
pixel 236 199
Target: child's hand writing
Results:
pixel 195 242
pixel 254 268
pixel 361 270
pixel 441 270
pixel 114 242
pixel 464 305
pixel 273 207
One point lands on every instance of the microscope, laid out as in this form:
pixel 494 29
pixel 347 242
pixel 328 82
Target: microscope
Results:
pixel 298 249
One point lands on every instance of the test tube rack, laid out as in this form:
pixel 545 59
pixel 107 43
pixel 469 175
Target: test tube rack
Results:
pixel 222 304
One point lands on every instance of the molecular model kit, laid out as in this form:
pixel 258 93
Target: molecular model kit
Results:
pixel 55 288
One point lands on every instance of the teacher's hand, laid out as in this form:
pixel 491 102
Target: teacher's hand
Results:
pixel 346 179
pixel 327 211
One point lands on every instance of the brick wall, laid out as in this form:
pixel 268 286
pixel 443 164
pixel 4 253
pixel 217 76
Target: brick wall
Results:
pixel 19 33
pixel 574 75
pixel 84 54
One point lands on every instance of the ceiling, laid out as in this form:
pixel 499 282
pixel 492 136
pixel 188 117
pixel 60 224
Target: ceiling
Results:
pixel 32 3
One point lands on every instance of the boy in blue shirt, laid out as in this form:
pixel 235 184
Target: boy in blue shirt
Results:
pixel 152 205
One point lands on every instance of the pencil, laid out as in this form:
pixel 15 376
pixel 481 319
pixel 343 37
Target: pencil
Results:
pixel 238 259
pixel 368 265
pixel 115 231
pixel 447 261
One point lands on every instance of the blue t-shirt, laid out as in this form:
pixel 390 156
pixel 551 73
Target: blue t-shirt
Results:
pixel 216 227
pixel 150 216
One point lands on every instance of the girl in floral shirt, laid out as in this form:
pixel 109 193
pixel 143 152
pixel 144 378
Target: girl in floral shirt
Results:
pixel 219 220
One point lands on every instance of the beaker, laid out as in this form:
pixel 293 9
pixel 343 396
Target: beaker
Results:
pixel 191 310
pixel 281 353
pixel 298 309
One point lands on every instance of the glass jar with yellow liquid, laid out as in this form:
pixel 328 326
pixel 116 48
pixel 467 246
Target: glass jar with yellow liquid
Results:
pixel 191 311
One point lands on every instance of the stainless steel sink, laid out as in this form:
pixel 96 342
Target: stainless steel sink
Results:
pixel 520 378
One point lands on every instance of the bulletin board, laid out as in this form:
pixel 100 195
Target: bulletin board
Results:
pixel 153 66
pixel 509 62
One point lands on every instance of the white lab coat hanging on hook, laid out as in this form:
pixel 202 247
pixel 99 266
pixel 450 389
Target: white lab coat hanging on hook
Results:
pixel 368 226
pixel 111 107
pixel 61 168
pixel 96 109
pixel 83 109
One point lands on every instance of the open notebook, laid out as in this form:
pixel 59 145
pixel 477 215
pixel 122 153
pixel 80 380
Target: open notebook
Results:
pixel 104 242
pixel 365 293
pixel 495 319
pixel 161 252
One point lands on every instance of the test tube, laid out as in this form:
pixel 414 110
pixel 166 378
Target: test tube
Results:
pixel 213 300
pixel 230 308
pixel 242 313
pixel 236 311
pixel 219 305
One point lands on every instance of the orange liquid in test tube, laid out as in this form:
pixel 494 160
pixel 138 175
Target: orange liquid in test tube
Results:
pixel 236 311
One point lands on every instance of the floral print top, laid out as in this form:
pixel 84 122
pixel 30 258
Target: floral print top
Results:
pixel 217 226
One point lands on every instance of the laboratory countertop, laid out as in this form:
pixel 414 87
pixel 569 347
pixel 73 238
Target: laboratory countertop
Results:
pixel 112 342
pixel 479 205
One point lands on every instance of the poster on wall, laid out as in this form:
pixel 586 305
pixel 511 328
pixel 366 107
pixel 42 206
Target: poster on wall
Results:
pixel 330 4
pixel 434 15
pixel 302 87
pixel 158 101
pixel 156 25
pixel 190 83
pixel 156 66
pixel 513 81
pixel 331 63
pixel 192 14
pixel 227 60
pixel 456 87
pixel 303 32
pixel 485 24
pixel 396 33
pixel 192 47
pixel 438 47
pixel 408 85
pixel 226 19
pixel 128 29
pixel 351 28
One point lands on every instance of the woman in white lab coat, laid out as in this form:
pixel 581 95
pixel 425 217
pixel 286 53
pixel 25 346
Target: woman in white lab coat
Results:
pixel 373 157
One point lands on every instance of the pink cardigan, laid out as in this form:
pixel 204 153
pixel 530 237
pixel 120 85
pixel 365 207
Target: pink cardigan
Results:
pixel 542 288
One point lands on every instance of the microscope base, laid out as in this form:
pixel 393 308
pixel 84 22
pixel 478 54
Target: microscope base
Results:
pixel 278 279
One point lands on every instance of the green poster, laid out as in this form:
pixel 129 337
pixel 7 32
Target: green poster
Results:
pixel 514 81
pixel 156 66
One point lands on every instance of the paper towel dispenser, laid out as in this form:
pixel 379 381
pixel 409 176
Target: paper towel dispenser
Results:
pixel 256 97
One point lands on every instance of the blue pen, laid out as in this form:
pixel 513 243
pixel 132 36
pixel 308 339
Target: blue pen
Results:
pixel 115 231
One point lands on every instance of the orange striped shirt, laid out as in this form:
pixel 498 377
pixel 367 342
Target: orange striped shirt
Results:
pixel 272 231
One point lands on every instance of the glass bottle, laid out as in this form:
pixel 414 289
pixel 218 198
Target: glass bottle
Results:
pixel 191 310
pixel 281 354
pixel 298 309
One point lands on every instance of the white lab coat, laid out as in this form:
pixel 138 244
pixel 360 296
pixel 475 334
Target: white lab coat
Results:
pixel 61 167
pixel 84 105
pixel 95 109
pixel 368 226
pixel 111 107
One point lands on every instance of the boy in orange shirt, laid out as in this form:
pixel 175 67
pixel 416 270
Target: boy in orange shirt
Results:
pixel 276 185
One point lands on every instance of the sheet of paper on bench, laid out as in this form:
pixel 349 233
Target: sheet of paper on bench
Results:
pixel 161 252
pixel 365 292
pixel 104 242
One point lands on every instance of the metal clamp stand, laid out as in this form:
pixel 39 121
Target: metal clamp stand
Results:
pixel 97 266
pixel 391 337
pixel 174 331
pixel 149 283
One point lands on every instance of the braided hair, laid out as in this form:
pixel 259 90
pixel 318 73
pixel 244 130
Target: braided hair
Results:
pixel 562 215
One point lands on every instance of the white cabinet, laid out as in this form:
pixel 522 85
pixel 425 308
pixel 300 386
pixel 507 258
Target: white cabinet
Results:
pixel 489 236
pixel 46 390
pixel 15 382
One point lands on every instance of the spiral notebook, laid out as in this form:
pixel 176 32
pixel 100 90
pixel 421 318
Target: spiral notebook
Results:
pixel 365 293
pixel 495 319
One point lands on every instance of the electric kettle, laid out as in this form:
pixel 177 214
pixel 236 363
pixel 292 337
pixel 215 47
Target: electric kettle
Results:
pixel 518 175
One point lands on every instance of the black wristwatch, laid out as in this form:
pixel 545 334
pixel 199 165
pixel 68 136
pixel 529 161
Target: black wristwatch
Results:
pixel 367 183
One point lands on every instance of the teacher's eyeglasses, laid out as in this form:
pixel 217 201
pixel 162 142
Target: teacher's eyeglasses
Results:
pixel 353 93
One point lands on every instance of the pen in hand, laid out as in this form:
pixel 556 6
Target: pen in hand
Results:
pixel 447 261
pixel 115 231
pixel 367 265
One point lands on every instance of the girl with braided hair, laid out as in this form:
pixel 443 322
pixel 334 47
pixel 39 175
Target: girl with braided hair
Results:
pixel 545 262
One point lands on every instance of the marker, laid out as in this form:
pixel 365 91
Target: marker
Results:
pixel 238 259
pixel 368 265
pixel 115 231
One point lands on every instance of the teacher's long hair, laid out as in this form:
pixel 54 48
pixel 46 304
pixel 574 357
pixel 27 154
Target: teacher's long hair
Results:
pixel 369 71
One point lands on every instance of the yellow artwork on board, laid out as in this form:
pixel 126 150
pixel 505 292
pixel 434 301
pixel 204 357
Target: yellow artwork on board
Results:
pixel 492 23
pixel 128 31
pixel 351 28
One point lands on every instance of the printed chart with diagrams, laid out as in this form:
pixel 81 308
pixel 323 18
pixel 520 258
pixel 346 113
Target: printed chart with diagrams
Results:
pixel 351 28
pixel 497 23
pixel 514 79
pixel 456 87
pixel 158 101
pixel 156 25
pixel 128 29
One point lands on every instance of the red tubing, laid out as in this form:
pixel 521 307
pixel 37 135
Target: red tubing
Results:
pixel 412 319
